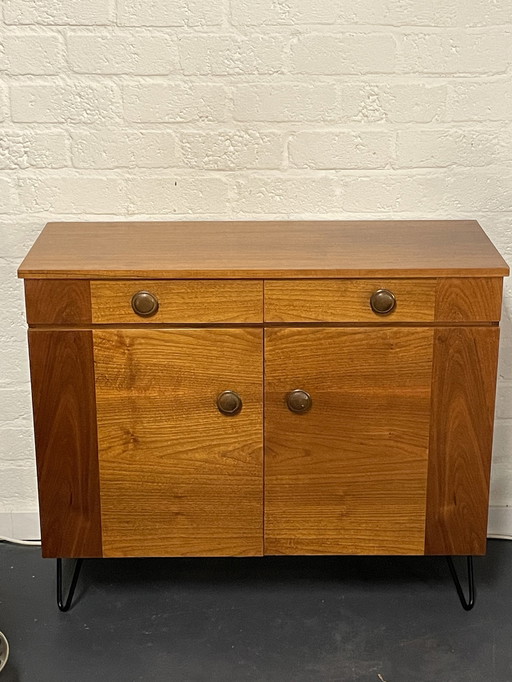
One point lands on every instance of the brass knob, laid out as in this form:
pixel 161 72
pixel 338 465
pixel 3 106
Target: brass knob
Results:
pixel 299 401
pixel 144 304
pixel 229 403
pixel 383 301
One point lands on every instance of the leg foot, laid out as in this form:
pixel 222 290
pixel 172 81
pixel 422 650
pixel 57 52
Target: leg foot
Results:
pixel 64 605
pixel 467 604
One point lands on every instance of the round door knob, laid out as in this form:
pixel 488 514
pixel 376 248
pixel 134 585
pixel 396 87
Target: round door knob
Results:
pixel 299 401
pixel 144 304
pixel 382 301
pixel 229 403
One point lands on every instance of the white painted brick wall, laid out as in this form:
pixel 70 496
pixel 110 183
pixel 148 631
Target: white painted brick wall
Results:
pixel 67 101
pixel 246 108
pixel 285 102
pixel 343 53
pixel 122 52
pixel 232 149
pixel 164 13
pixel 175 102
pixel 123 148
pixel 33 53
pixel 341 149
pixel 227 55
pixel 58 12
pixel 21 148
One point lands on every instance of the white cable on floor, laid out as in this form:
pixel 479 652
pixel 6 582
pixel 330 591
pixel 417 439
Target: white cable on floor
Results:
pixel 4 650
pixel 496 536
pixel 15 541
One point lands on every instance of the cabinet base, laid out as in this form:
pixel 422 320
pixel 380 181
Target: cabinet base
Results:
pixel 467 604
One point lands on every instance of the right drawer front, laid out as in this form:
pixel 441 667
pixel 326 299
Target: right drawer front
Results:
pixel 415 300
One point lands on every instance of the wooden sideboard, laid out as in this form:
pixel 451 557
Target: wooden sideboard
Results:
pixel 250 388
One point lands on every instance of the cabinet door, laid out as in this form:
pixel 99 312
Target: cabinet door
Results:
pixel 349 475
pixel 177 477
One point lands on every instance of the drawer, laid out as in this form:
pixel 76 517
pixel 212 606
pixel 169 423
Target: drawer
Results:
pixel 411 300
pixel 348 300
pixel 176 301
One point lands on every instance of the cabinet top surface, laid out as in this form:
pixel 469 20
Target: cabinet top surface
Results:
pixel 256 249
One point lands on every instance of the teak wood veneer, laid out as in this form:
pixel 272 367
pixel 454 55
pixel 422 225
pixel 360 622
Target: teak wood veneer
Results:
pixel 249 388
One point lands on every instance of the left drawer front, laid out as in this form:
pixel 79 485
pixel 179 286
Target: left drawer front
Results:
pixel 177 301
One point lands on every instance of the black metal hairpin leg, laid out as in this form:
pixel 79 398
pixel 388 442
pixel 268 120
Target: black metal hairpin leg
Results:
pixel 467 604
pixel 65 605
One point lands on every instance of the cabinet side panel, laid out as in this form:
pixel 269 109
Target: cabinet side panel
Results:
pixel 461 299
pixel 49 301
pixel 63 397
pixel 463 396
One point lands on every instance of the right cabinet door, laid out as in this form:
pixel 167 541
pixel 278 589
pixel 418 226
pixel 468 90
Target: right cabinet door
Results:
pixel 393 454
pixel 349 475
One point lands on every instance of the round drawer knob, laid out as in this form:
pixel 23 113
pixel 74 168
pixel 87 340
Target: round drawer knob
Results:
pixel 383 301
pixel 229 403
pixel 299 401
pixel 144 304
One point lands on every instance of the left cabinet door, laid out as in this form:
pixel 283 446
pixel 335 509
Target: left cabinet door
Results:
pixel 176 476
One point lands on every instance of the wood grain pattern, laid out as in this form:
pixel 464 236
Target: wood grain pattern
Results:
pixel 61 365
pixel 178 478
pixel 350 475
pixel 62 302
pixel 347 300
pixel 180 301
pixel 469 299
pixel 463 395
pixel 257 249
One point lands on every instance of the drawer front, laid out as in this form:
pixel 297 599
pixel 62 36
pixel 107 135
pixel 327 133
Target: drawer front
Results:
pixel 176 301
pixel 349 300
pixel 451 299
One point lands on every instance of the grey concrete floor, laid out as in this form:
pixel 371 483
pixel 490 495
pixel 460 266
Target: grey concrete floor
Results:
pixel 273 619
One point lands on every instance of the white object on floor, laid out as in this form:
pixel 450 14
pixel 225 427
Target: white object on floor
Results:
pixel 4 650
pixel 15 541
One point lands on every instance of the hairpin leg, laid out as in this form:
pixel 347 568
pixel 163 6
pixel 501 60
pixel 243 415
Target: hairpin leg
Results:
pixel 65 605
pixel 467 604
